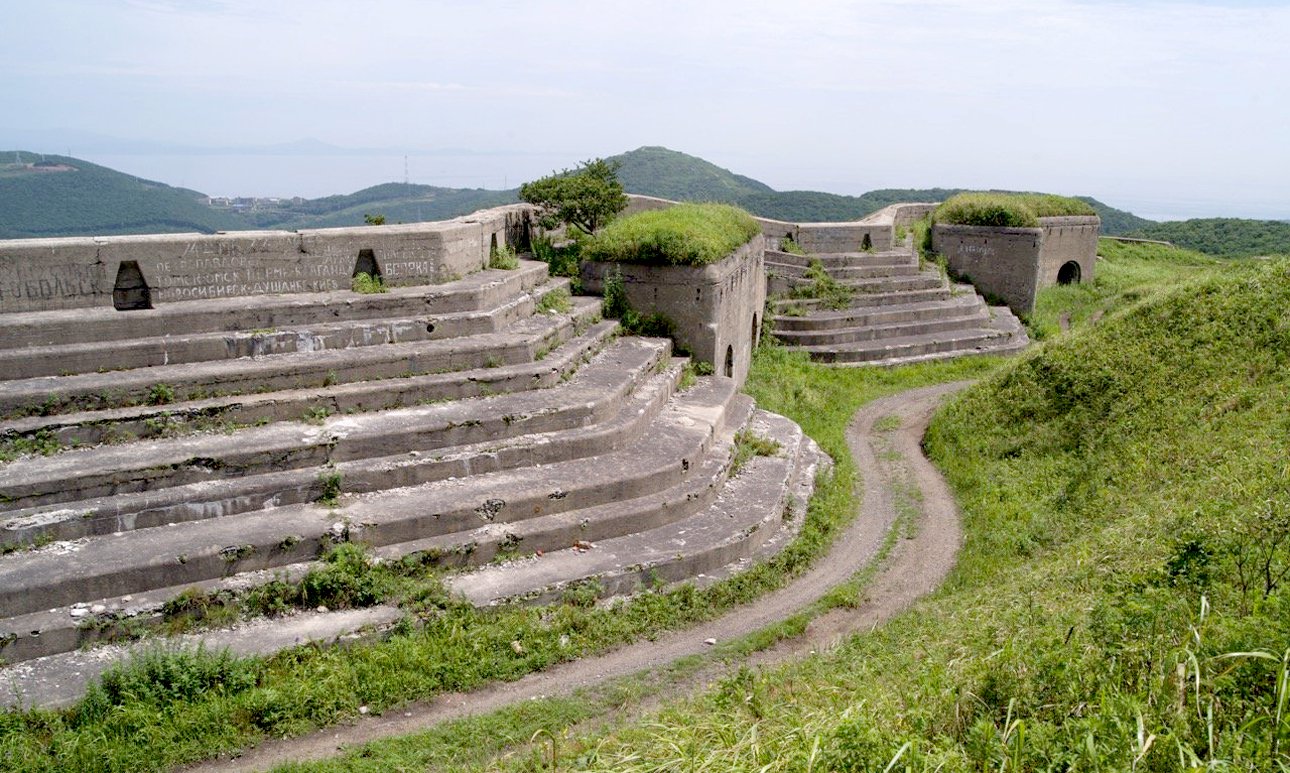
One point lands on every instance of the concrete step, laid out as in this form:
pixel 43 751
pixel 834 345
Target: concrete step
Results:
pixel 519 343
pixel 821 320
pixel 831 337
pixel 843 259
pixel 925 280
pixel 122 488
pixel 913 348
pixel 87 428
pixel 708 526
pixel 785 306
pixel 844 272
pixel 174 349
pixel 478 291
pixel 764 501
pixel 677 439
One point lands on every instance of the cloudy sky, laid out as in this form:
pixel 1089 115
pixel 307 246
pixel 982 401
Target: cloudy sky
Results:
pixel 1165 108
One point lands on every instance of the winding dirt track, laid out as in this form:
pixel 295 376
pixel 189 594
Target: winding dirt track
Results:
pixel 895 474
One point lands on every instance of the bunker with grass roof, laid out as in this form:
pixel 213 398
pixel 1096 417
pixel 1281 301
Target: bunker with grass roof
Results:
pixel 1013 245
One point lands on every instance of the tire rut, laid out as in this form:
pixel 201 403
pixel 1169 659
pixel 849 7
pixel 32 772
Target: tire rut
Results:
pixel 915 566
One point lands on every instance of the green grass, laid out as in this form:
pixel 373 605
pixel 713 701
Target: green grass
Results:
pixel 557 301
pixel 503 258
pixel 1127 273
pixel 823 287
pixel 823 399
pixel 1011 210
pixel 685 235
pixel 367 284
pixel 1122 602
pixel 445 644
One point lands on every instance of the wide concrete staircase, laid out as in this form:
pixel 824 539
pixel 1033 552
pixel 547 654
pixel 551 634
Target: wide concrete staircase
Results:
pixel 480 424
pixel 898 312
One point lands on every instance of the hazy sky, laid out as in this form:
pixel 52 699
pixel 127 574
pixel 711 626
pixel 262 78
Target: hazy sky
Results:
pixel 1166 108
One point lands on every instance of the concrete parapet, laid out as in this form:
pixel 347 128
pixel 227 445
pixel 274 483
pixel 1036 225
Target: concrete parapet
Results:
pixel 903 214
pixel 716 308
pixel 138 272
pixel 1013 264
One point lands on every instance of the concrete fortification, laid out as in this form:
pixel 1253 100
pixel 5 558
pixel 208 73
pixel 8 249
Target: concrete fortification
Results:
pixel 479 419
pixel 471 417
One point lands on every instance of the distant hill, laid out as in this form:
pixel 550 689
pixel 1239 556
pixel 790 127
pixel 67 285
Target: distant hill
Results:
pixel 1227 236
pixel 398 202
pixel 657 171
pixel 60 196
pixel 64 196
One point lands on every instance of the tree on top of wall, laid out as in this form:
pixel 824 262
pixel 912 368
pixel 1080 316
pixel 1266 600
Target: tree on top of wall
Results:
pixel 586 197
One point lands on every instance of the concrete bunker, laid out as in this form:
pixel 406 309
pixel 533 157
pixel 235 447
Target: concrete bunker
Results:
pixel 131 291
pixel 366 264
pixel 1068 274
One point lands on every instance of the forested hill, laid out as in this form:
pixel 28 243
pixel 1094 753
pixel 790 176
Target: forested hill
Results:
pixel 60 196
pixel 46 195
pixel 657 171
pixel 1232 237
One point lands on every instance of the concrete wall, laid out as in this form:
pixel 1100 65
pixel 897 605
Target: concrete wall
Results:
pixel 1013 264
pixel 81 272
pixel 1068 239
pixel 902 214
pixel 717 308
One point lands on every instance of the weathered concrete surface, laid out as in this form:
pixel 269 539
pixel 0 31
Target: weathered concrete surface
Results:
pixel 83 272
pixel 716 308
pixel 705 533
pixel 893 317
pixel 1014 264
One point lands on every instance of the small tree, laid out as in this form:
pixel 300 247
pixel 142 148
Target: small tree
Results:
pixel 586 197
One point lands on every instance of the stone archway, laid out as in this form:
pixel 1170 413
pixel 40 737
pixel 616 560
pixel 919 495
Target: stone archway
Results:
pixel 1069 273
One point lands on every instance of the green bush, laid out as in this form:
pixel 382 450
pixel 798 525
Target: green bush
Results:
pixel 684 235
pixel 503 258
pixel 367 284
pixel 1007 210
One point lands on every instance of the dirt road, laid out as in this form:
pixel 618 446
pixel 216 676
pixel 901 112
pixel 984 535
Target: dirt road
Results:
pixel 901 489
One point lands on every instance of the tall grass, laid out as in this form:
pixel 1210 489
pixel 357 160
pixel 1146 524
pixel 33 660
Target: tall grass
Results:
pixel 1122 602
pixel 445 644
pixel 1126 273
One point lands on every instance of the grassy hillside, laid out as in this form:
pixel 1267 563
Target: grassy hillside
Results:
pixel 88 199
pixel 1228 236
pixel 656 171
pixel 1123 598
pixel 97 200
pixel 399 203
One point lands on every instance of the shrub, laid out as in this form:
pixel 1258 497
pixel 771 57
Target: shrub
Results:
pixel 685 235
pixel 367 284
pixel 587 197
pixel 503 257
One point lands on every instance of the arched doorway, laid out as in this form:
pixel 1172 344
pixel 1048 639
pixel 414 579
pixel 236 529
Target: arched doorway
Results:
pixel 1068 274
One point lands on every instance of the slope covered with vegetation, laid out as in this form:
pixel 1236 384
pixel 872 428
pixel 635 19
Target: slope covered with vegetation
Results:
pixel 1123 598
pixel 63 196
pixel 98 200
pixel 1227 236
